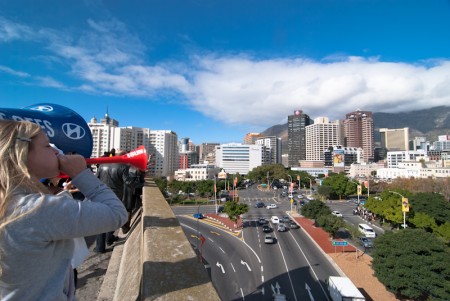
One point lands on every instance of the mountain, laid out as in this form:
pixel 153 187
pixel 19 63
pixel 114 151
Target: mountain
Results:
pixel 428 123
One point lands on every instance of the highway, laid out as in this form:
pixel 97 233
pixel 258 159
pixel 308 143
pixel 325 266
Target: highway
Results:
pixel 243 267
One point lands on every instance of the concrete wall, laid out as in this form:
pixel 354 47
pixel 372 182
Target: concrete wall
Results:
pixel 156 262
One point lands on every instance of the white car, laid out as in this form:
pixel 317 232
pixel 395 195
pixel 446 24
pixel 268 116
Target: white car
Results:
pixel 268 239
pixel 336 213
pixel 275 220
pixel 272 206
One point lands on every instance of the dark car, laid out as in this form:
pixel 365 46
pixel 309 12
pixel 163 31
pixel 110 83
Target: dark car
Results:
pixel 262 221
pixel 260 205
pixel 266 229
pixel 364 241
pixel 293 225
pixel 220 209
pixel 285 219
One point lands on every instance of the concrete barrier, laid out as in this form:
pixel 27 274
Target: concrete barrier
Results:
pixel 156 262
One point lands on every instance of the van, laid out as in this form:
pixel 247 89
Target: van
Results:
pixel 366 230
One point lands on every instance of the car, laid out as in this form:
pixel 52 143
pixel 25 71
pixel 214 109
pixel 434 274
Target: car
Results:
pixel 220 209
pixel 275 220
pixel 285 219
pixel 268 239
pixel 198 215
pixel 281 228
pixel 266 229
pixel 259 205
pixel 272 206
pixel 293 225
pixel 262 221
pixel 336 213
pixel 364 241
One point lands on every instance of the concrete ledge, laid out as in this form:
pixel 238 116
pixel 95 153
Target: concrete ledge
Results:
pixel 156 261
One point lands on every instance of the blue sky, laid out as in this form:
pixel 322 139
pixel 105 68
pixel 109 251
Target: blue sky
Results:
pixel 216 70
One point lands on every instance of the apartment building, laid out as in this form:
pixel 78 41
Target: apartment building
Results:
pixel 273 144
pixel 321 135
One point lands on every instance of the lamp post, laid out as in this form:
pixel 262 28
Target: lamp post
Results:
pixel 290 190
pixel 358 189
pixel 310 185
pixel 405 207
pixel 290 185
pixel 215 192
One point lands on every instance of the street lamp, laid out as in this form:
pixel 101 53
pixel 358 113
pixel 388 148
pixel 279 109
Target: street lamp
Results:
pixel 310 185
pixel 290 185
pixel 358 189
pixel 405 207
pixel 290 191
pixel 215 192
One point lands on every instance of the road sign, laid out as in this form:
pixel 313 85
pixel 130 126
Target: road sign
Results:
pixel 339 243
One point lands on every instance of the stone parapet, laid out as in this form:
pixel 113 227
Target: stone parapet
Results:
pixel 157 261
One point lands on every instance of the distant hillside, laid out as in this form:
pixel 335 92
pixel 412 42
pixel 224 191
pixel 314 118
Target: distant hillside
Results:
pixel 428 123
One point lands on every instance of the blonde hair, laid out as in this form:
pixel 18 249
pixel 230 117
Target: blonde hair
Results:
pixel 15 139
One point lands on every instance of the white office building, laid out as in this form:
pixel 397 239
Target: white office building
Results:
pixel 443 143
pixel 164 153
pixel 414 169
pixel 241 158
pixel 197 172
pixel 394 158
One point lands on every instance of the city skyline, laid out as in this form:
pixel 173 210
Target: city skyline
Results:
pixel 214 72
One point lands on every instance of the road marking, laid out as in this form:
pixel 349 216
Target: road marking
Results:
pixel 287 269
pixel 222 250
pixel 221 267
pixel 310 266
pixel 233 267
pixel 242 293
pixel 246 264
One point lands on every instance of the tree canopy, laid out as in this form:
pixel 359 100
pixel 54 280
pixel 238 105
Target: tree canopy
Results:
pixel 413 264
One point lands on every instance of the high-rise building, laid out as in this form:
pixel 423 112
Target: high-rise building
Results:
pixel 273 144
pixel 129 138
pixel 164 152
pixel 102 135
pixel 250 138
pixel 395 139
pixel 358 128
pixel 297 137
pixel 321 135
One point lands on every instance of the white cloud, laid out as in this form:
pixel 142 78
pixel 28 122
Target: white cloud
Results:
pixel 105 58
pixel 13 72
pixel 261 93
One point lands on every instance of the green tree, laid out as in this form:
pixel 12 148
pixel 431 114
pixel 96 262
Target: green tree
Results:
pixel 424 221
pixel 444 231
pixel 338 182
pixel 431 204
pixel 330 223
pixel 413 264
pixel 314 209
pixel 326 191
pixel 234 209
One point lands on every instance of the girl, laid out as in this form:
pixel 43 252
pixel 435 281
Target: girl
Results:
pixel 36 227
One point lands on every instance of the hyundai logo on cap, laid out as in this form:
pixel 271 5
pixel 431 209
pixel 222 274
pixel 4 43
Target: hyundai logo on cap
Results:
pixel 73 131
pixel 45 108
